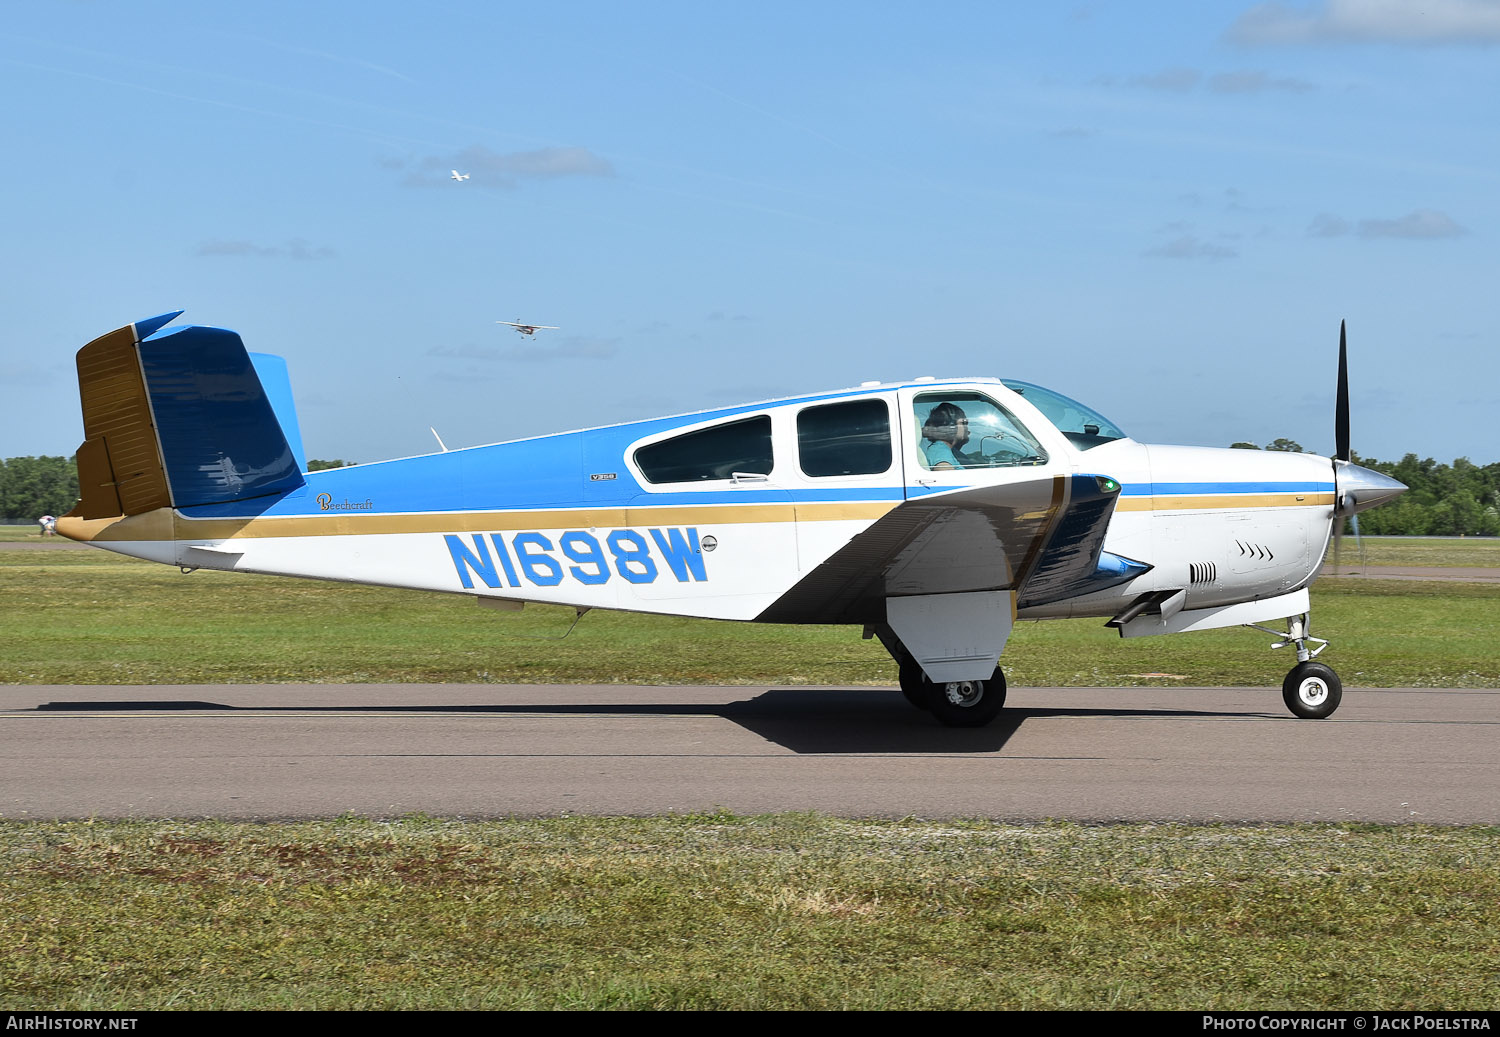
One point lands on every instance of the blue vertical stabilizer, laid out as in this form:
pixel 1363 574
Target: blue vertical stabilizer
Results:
pixel 216 423
pixel 278 386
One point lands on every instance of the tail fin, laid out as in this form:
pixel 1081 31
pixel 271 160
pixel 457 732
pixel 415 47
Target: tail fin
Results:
pixel 174 419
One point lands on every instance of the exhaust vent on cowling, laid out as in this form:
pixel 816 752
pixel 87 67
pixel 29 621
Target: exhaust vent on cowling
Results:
pixel 1258 552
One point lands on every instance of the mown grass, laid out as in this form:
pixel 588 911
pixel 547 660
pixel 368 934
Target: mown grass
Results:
pixel 723 912
pixel 714 912
pixel 88 617
pixel 1480 552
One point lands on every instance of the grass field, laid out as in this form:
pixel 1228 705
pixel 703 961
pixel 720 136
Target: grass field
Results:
pixel 90 617
pixel 1434 551
pixel 721 912
pixel 716 912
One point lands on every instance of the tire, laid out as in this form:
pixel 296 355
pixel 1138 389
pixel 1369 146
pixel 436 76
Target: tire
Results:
pixel 1312 691
pixel 915 685
pixel 965 703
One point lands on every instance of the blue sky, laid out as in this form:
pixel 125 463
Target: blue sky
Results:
pixel 1160 208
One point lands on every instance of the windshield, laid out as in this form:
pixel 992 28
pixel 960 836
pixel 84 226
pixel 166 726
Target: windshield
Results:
pixel 1084 427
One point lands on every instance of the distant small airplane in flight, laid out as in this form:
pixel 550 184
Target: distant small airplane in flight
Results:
pixel 528 329
pixel 458 176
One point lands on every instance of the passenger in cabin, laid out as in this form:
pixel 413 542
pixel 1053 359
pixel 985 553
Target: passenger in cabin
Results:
pixel 944 433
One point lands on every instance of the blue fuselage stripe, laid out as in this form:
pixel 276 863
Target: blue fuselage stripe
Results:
pixel 1200 489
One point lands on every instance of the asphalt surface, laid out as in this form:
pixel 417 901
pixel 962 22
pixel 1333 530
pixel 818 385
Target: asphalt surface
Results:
pixel 1085 754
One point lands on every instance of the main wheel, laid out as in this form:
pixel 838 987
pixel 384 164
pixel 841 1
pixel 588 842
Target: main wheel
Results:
pixel 956 703
pixel 914 685
pixel 1312 691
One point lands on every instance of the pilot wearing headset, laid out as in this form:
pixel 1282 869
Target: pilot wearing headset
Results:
pixel 944 433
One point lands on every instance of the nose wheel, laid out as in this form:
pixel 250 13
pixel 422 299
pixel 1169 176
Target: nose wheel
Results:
pixel 1311 690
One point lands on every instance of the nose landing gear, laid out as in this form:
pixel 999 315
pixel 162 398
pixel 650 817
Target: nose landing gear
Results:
pixel 1311 690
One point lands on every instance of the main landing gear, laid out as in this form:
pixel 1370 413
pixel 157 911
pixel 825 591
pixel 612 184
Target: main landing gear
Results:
pixel 1311 690
pixel 971 703
pixel 955 703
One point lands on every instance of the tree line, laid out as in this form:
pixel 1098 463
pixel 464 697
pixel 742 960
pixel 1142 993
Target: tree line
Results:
pixel 31 487
pixel 1458 499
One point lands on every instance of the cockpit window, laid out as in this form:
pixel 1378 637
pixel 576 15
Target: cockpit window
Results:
pixel 717 452
pixel 969 430
pixel 1085 428
pixel 848 438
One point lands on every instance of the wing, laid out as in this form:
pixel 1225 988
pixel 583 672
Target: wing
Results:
pixel 944 573
pixel 1040 538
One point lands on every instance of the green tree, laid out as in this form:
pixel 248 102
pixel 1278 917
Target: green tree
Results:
pixel 317 464
pixel 34 486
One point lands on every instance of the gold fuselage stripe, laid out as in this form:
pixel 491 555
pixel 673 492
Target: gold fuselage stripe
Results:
pixel 344 524
pixel 1225 501
pixel 163 524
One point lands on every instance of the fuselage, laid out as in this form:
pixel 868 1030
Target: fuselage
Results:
pixel 779 510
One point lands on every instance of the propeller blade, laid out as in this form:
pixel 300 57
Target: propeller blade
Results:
pixel 1341 404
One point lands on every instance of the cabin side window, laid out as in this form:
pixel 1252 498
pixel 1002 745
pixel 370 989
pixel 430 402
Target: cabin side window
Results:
pixel 970 430
pixel 848 438
pixel 717 452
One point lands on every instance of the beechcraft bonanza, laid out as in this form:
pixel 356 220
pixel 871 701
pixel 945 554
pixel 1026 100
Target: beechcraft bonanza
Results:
pixel 932 513
pixel 457 175
pixel 528 329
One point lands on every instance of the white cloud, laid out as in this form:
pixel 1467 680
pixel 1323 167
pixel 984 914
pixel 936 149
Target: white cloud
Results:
pixel 1177 80
pixel 293 249
pixel 1418 224
pixel 1253 81
pixel 1423 223
pixel 1245 81
pixel 1190 246
pixel 1325 225
pixel 497 171
pixel 1370 21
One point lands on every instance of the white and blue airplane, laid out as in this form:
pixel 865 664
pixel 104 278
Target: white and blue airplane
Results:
pixel 932 513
